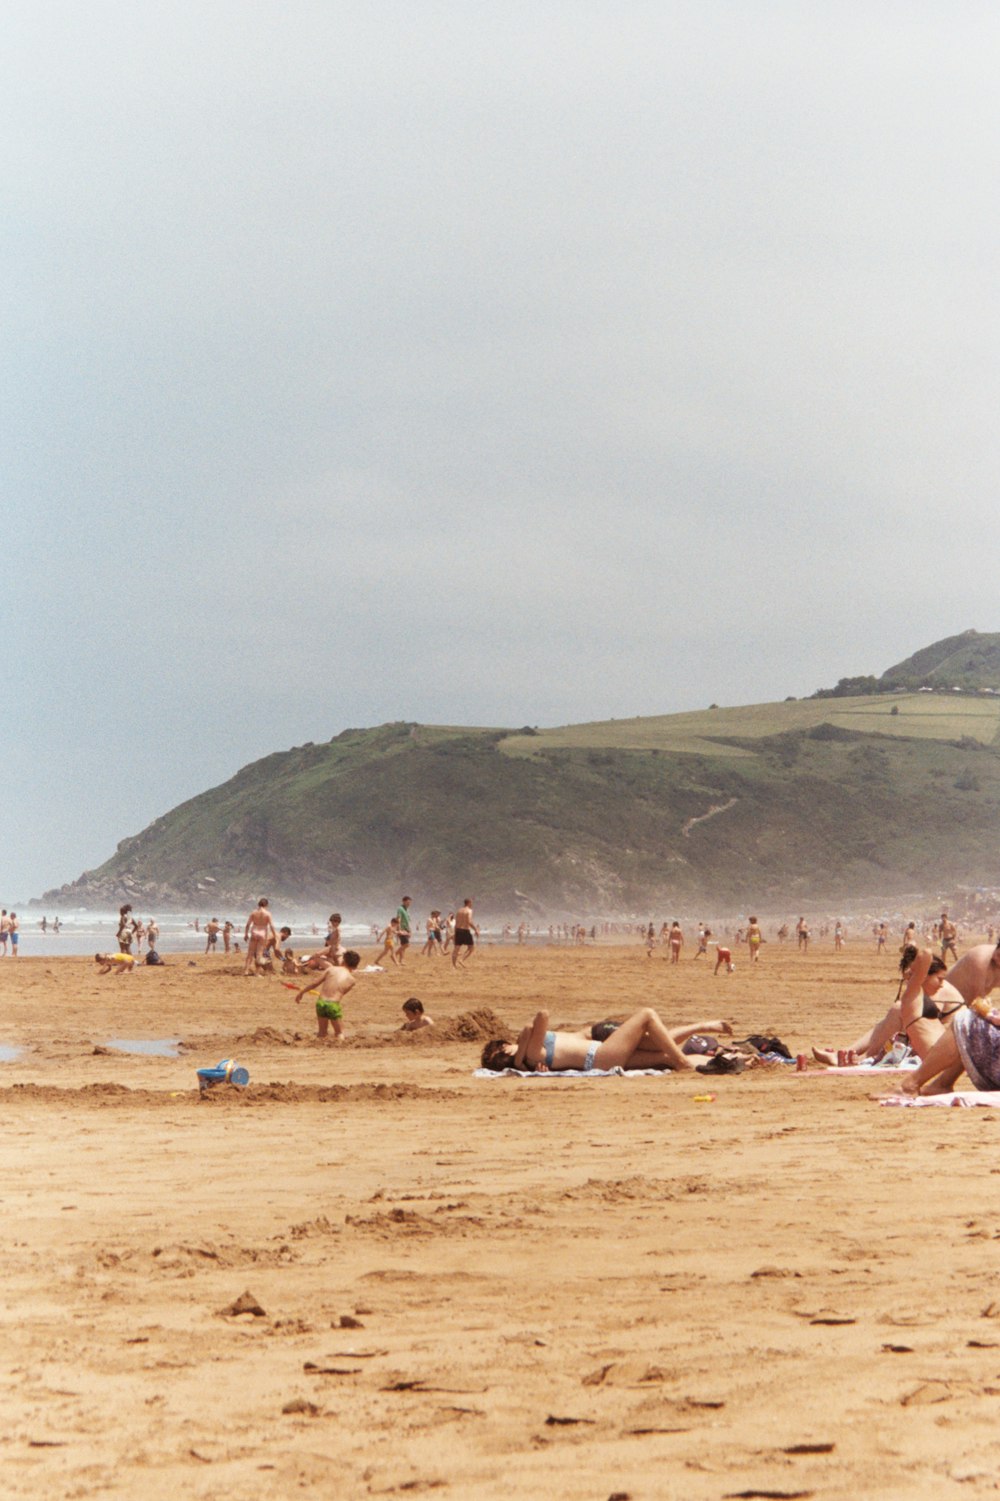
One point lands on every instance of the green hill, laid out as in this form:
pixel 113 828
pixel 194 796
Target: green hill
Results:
pixel 968 661
pixel 810 800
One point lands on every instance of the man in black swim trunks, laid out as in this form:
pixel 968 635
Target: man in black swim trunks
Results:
pixel 466 933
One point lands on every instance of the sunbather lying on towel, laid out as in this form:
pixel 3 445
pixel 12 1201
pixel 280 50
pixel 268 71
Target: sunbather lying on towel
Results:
pixel 643 1041
pixel 922 1010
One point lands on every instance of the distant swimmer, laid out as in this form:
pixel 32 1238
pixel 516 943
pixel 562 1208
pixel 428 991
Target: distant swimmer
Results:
pixel 333 985
pixel 466 933
pixel 114 962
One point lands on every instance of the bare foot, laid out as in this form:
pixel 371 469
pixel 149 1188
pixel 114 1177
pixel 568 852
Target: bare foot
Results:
pixel 825 1055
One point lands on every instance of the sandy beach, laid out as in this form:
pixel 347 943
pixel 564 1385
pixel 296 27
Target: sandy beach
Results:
pixel 574 1288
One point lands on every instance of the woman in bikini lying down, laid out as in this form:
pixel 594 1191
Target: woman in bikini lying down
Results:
pixel 643 1041
pixel 922 1010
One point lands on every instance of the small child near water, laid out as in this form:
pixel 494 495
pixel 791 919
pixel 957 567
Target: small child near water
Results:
pixel 333 985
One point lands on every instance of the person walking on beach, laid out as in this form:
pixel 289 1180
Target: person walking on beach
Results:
pixel 227 936
pixel 754 939
pixel 4 930
pixel 948 933
pixel 257 934
pixel 403 918
pixel 14 935
pixel 152 933
pixel 466 933
pixel 676 942
pixel 389 937
pixel 212 930
pixel 333 985
pixel 434 934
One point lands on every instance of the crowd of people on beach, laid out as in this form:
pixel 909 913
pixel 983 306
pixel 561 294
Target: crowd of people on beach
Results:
pixel 940 1016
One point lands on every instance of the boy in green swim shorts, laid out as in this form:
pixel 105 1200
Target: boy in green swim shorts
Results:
pixel 333 985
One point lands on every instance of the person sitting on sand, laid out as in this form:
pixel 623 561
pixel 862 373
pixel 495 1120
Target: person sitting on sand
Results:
pixel 333 985
pixel 115 964
pixel 332 951
pixel 977 972
pixel 416 1016
pixel 642 1041
pixel 970 1045
pixel 920 1011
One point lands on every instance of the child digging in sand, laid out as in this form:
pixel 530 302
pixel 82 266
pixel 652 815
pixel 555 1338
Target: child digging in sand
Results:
pixel 333 985
pixel 118 964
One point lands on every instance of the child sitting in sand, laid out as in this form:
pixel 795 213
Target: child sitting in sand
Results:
pixel 333 985
pixel 416 1016
pixel 118 964
pixel 642 1041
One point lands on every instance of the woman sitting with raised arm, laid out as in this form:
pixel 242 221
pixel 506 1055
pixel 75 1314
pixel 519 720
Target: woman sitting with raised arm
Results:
pixel 925 1003
pixel 643 1041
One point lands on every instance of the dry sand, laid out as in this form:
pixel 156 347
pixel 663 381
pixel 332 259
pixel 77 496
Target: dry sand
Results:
pixel 580 1289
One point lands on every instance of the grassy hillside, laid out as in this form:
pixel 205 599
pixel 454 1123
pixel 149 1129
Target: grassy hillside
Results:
pixel 971 660
pixel 773 802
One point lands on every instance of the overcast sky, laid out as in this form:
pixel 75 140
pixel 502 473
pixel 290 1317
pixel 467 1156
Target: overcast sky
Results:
pixel 479 363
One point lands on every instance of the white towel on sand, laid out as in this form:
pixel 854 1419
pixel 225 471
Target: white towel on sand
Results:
pixel 964 1100
pixel 573 1073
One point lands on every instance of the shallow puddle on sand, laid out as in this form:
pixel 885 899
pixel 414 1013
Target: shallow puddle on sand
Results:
pixel 154 1047
pixel 9 1053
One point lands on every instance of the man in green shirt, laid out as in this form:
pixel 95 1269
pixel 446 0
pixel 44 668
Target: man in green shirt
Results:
pixel 403 913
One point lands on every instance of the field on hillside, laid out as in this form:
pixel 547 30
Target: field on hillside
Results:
pixel 918 715
pixel 668 1287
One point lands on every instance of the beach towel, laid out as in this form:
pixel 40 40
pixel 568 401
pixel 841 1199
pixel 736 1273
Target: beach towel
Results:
pixel 906 1067
pixel 964 1100
pixel 575 1073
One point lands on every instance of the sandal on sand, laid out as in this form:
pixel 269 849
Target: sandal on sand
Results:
pixel 723 1063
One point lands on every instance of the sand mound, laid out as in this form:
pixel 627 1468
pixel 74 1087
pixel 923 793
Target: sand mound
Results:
pixel 472 1026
